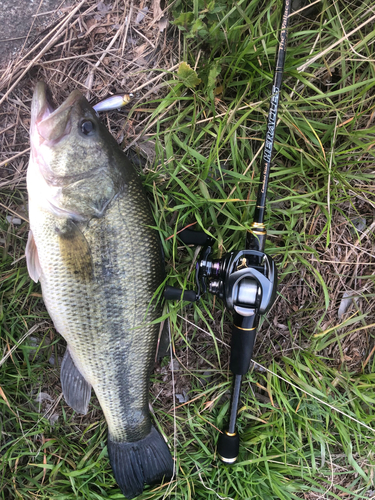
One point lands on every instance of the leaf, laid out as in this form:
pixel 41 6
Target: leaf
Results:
pixel 184 20
pixel 346 302
pixel 2 394
pixel 141 15
pixel 211 82
pixel 187 75
pixel 197 27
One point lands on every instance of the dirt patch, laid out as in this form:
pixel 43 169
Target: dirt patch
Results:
pixel 23 22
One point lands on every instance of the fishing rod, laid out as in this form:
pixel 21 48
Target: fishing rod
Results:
pixel 261 288
pixel 245 280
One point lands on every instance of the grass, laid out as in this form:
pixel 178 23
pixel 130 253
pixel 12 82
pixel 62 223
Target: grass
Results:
pixel 306 419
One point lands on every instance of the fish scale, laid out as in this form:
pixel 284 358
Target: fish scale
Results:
pixel 99 315
pixel 98 260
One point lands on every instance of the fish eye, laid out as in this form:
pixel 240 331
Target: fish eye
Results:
pixel 87 127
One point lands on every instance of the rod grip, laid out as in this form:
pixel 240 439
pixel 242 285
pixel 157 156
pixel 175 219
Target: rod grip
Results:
pixel 228 447
pixel 241 349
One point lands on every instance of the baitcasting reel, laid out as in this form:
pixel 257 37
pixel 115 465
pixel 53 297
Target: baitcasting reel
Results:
pixel 244 280
pixel 243 285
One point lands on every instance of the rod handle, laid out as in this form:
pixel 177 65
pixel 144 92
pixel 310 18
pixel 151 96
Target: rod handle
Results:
pixel 228 447
pixel 242 345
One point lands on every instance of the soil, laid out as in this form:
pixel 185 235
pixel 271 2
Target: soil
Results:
pixel 22 22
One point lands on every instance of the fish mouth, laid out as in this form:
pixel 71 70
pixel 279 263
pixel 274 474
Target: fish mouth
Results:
pixel 50 125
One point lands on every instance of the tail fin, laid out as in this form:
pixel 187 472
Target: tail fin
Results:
pixel 145 461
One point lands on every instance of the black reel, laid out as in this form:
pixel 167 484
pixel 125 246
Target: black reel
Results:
pixel 245 280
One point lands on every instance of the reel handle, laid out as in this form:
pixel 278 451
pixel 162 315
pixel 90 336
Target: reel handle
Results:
pixel 173 293
pixel 198 238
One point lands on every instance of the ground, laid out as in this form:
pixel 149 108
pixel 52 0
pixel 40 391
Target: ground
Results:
pixel 22 22
pixel 306 416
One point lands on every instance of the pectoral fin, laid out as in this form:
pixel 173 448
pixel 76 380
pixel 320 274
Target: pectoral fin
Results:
pixel 75 250
pixel 32 259
pixel 77 392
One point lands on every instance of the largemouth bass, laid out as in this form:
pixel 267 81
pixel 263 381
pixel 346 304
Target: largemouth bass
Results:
pixel 99 263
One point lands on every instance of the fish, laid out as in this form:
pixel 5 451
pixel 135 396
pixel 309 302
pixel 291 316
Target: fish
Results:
pixel 99 261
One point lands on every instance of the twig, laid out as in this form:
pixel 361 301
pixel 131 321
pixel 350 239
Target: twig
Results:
pixel 126 30
pixel 201 329
pixel 13 212
pixel 155 78
pixel 44 50
pixel 32 330
pixel 144 37
pixel 5 162
pixel 90 77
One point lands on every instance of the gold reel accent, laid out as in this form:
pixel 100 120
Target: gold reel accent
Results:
pixel 258 225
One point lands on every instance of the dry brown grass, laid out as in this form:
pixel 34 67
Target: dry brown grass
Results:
pixel 97 48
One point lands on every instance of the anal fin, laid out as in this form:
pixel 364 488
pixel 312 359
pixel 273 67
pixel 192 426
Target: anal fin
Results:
pixel 77 392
